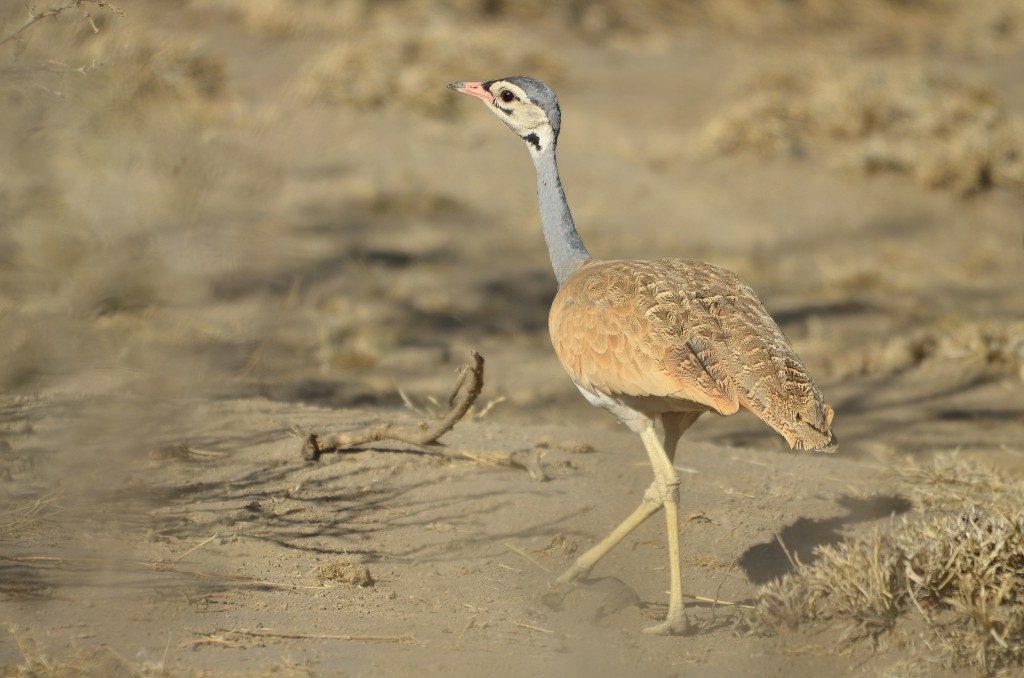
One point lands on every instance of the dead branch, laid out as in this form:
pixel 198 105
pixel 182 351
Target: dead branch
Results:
pixel 468 385
pixel 528 460
pixel 181 452
pixel 425 436
pixel 263 633
pixel 35 16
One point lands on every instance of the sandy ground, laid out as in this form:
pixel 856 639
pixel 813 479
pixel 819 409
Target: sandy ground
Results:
pixel 228 220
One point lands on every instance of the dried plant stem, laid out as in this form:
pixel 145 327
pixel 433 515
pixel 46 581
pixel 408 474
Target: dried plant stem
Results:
pixel 533 627
pixel 197 547
pixel 20 517
pixel 35 16
pixel 719 601
pixel 263 633
pixel 526 555
pixel 425 436
pixel 467 388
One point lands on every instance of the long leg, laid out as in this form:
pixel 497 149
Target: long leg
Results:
pixel 662 492
pixel 675 424
pixel 581 568
pixel 666 480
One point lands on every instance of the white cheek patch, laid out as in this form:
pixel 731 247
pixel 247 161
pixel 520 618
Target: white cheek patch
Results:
pixel 531 117
pixel 522 117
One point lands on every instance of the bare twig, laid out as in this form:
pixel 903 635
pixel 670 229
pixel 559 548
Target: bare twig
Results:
pixel 526 555
pixel 789 556
pixel 486 409
pixel 35 16
pixel 181 452
pixel 196 547
pixel 262 633
pixel 32 18
pixel 409 403
pixel 719 601
pixel 718 591
pixel 533 627
pixel 426 436
pixel 528 460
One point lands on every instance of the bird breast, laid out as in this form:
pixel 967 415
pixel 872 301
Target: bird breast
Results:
pixel 676 335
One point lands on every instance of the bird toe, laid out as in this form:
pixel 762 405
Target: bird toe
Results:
pixel 679 626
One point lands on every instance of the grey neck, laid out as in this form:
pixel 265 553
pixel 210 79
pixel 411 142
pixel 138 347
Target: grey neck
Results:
pixel 564 245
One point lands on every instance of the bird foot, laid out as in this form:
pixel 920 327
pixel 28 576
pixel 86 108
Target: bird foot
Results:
pixel 556 593
pixel 561 587
pixel 678 626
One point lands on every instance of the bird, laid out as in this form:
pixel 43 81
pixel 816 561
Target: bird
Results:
pixel 654 340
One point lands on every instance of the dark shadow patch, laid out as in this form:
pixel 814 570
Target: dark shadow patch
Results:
pixel 846 307
pixel 980 415
pixel 767 561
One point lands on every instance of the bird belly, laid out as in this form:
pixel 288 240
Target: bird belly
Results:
pixel 639 413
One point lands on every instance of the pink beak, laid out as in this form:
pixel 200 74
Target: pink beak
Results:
pixel 475 89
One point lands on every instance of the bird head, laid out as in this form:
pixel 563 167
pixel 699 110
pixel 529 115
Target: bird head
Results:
pixel 527 106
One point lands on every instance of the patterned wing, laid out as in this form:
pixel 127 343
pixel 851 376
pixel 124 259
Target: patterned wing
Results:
pixel 616 329
pixel 687 331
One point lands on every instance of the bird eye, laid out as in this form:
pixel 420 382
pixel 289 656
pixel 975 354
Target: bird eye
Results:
pixel 507 96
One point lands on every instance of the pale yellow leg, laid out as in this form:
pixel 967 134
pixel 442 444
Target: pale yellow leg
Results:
pixel 583 564
pixel 664 491
pixel 667 481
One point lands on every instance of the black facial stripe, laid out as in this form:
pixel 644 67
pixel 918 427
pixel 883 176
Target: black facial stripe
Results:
pixel 532 138
pixel 503 110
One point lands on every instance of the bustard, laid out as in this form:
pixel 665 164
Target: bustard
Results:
pixel 665 339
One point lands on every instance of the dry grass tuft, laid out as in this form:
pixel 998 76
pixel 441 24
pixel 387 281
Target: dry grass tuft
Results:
pixel 855 581
pixel 395 54
pixel 287 19
pixel 960 570
pixel 106 171
pixel 104 661
pixel 37 661
pixel 346 571
pixel 599 20
pixel 389 63
pixel 956 26
pixel 944 132
pixel 142 74
pixel 988 344
pixel 951 482
pixel 27 514
pixel 950 26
